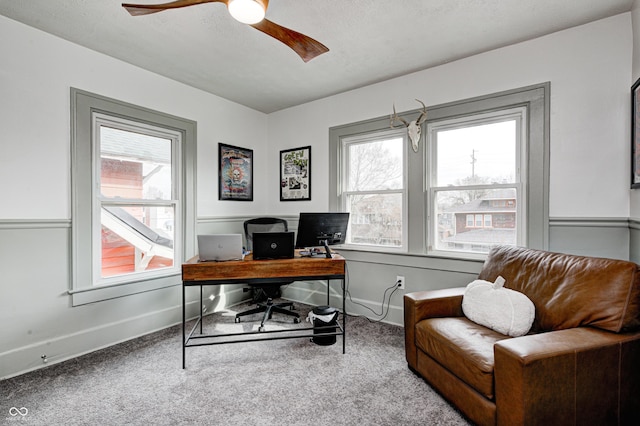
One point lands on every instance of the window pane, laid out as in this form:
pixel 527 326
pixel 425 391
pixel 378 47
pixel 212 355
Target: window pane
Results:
pixel 480 154
pixel 375 219
pixel 460 217
pixel 469 220
pixel 375 165
pixel 134 166
pixel 136 239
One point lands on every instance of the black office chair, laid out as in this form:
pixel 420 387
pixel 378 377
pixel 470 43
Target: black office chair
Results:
pixel 267 289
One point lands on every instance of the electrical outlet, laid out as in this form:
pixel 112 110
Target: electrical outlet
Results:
pixel 400 281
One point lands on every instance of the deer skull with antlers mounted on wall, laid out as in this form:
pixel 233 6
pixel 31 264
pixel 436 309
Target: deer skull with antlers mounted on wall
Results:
pixel 414 128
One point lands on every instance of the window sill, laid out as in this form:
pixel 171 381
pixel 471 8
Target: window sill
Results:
pixel 413 260
pixel 83 296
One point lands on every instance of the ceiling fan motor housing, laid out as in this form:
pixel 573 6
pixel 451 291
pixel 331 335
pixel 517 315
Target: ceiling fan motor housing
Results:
pixel 248 11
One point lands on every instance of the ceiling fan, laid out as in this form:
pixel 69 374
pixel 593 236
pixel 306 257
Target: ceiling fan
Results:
pixel 249 12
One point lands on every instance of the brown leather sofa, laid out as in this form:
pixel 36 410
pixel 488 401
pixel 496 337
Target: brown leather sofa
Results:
pixel 579 364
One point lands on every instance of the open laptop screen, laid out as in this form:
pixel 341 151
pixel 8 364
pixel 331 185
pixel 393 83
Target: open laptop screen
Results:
pixel 220 247
pixel 273 245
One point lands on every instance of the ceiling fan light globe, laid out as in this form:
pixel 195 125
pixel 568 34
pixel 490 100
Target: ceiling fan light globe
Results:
pixel 246 11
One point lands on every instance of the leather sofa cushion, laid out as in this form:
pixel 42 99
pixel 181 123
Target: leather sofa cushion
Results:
pixel 462 347
pixel 570 291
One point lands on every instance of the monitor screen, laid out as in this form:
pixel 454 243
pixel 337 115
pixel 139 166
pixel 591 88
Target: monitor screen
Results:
pixel 322 229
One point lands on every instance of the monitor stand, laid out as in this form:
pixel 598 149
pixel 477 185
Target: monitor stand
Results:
pixel 327 251
pixel 316 252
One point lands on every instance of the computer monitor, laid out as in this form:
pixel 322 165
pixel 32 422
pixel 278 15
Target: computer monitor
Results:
pixel 322 229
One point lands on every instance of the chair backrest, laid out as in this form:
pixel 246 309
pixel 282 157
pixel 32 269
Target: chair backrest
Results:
pixel 569 290
pixel 263 224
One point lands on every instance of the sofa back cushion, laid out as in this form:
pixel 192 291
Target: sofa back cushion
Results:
pixel 568 290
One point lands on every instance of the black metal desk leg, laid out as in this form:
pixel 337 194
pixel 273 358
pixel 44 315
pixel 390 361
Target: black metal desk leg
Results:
pixel 328 292
pixel 183 326
pixel 200 307
pixel 344 317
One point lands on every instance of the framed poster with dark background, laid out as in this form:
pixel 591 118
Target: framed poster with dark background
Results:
pixel 235 173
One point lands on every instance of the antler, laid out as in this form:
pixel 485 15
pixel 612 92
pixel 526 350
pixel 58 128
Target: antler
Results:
pixel 423 115
pixel 394 117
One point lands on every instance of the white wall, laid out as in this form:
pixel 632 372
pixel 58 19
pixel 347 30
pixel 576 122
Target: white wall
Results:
pixel 635 14
pixel 589 68
pixel 36 73
pixel 634 208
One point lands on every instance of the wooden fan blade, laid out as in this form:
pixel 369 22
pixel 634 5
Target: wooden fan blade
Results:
pixel 146 9
pixel 306 47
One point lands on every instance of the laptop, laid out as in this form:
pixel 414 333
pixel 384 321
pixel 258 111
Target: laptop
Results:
pixel 219 247
pixel 273 245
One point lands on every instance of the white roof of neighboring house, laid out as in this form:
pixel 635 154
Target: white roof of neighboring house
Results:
pixel 484 236
pixel 133 146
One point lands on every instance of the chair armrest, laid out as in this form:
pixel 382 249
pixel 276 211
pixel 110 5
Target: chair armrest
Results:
pixel 428 304
pixel 575 376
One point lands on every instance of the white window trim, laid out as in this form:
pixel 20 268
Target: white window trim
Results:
pixel 100 119
pixel 83 107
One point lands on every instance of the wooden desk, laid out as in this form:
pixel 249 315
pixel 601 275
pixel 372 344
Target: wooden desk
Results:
pixel 249 271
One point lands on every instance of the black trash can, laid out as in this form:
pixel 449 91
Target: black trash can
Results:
pixel 328 324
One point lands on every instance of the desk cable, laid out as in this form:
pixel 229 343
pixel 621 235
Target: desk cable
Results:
pixel 394 287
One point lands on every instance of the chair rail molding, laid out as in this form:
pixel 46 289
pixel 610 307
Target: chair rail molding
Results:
pixel 34 223
pixel 610 237
pixel 594 222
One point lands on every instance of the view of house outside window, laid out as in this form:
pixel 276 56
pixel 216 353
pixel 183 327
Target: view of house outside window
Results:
pixel 137 206
pixel 475 186
pixel 374 189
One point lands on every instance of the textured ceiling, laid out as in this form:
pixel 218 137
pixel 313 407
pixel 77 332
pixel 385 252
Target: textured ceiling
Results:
pixel 369 40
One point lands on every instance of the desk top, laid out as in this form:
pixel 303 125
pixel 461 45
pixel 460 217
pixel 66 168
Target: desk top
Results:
pixel 248 269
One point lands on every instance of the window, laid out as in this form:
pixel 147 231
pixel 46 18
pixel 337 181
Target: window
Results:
pixel 472 221
pixel 133 172
pixel 374 189
pixel 482 171
pixel 477 171
pixel 137 205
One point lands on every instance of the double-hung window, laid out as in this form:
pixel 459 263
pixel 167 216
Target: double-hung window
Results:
pixel 137 215
pixel 374 189
pixel 476 181
pixel 480 177
pixel 133 197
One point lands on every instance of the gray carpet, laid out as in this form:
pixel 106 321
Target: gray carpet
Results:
pixel 286 382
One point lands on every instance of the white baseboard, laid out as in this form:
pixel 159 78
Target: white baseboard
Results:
pixel 29 358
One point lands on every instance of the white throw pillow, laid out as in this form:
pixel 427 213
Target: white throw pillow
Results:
pixel 501 309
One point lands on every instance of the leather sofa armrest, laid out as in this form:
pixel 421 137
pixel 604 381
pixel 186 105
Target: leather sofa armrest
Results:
pixel 428 304
pixel 575 376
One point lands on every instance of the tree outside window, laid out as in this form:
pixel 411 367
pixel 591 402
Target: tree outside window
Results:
pixel 374 189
